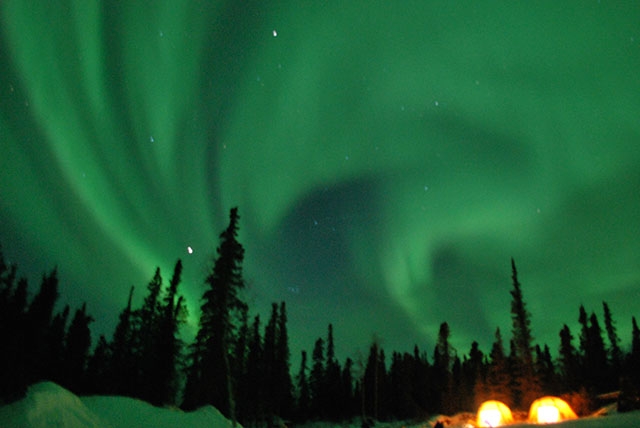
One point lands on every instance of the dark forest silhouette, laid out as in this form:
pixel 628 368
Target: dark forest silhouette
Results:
pixel 243 368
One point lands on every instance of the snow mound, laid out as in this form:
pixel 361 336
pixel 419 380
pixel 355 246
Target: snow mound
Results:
pixel 129 412
pixel 49 405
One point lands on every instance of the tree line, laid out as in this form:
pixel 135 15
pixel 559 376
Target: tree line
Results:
pixel 243 368
pixel 142 359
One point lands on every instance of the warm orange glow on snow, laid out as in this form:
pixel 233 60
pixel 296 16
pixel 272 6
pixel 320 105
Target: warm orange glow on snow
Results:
pixel 549 410
pixel 493 413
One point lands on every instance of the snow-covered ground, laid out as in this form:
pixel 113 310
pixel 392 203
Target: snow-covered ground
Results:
pixel 49 405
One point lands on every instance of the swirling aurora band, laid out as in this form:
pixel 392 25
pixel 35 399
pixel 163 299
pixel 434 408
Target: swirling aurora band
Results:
pixel 387 158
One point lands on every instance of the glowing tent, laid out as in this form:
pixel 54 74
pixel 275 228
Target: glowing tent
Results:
pixel 548 410
pixel 493 413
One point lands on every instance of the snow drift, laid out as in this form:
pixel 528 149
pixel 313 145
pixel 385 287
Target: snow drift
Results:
pixel 49 405
pixel 46 405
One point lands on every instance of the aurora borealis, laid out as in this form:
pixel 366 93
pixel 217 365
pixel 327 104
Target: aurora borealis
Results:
pixel 387 158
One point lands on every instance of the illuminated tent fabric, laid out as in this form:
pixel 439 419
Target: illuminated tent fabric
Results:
pixel 547 410
pixel 493 413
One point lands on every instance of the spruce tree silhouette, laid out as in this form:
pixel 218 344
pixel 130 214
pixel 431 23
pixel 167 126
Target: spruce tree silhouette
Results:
pixel 156 337
pixel 402 404
pixel 348 406
pixel 568 362
pixel 76 353
pixel 583 348
pixel 597 356
pixel 277 383
pixel 54 368
pixel 633 364
pixel 13 306
pixel 168 345
pixel 443 357
pixel 145 336
pixel 251 392
pixel 374 383
pixel 97 374
pixel 332 379
pixel 526 383
pixel 498 382
pixel 209 378
pixel 285 403
pixel 38 319
pixel 630 386
pixel 122 366
pixel 240 352
pixel 473 374
pixel 592 352
pixel 269 357
pixel 616 356
pixel 303 401
pixel 317 379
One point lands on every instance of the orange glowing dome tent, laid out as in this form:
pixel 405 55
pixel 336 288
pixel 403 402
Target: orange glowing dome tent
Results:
pixel 548 410
pixel 493 413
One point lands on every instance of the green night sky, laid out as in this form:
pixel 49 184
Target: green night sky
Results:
pixel 388 158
